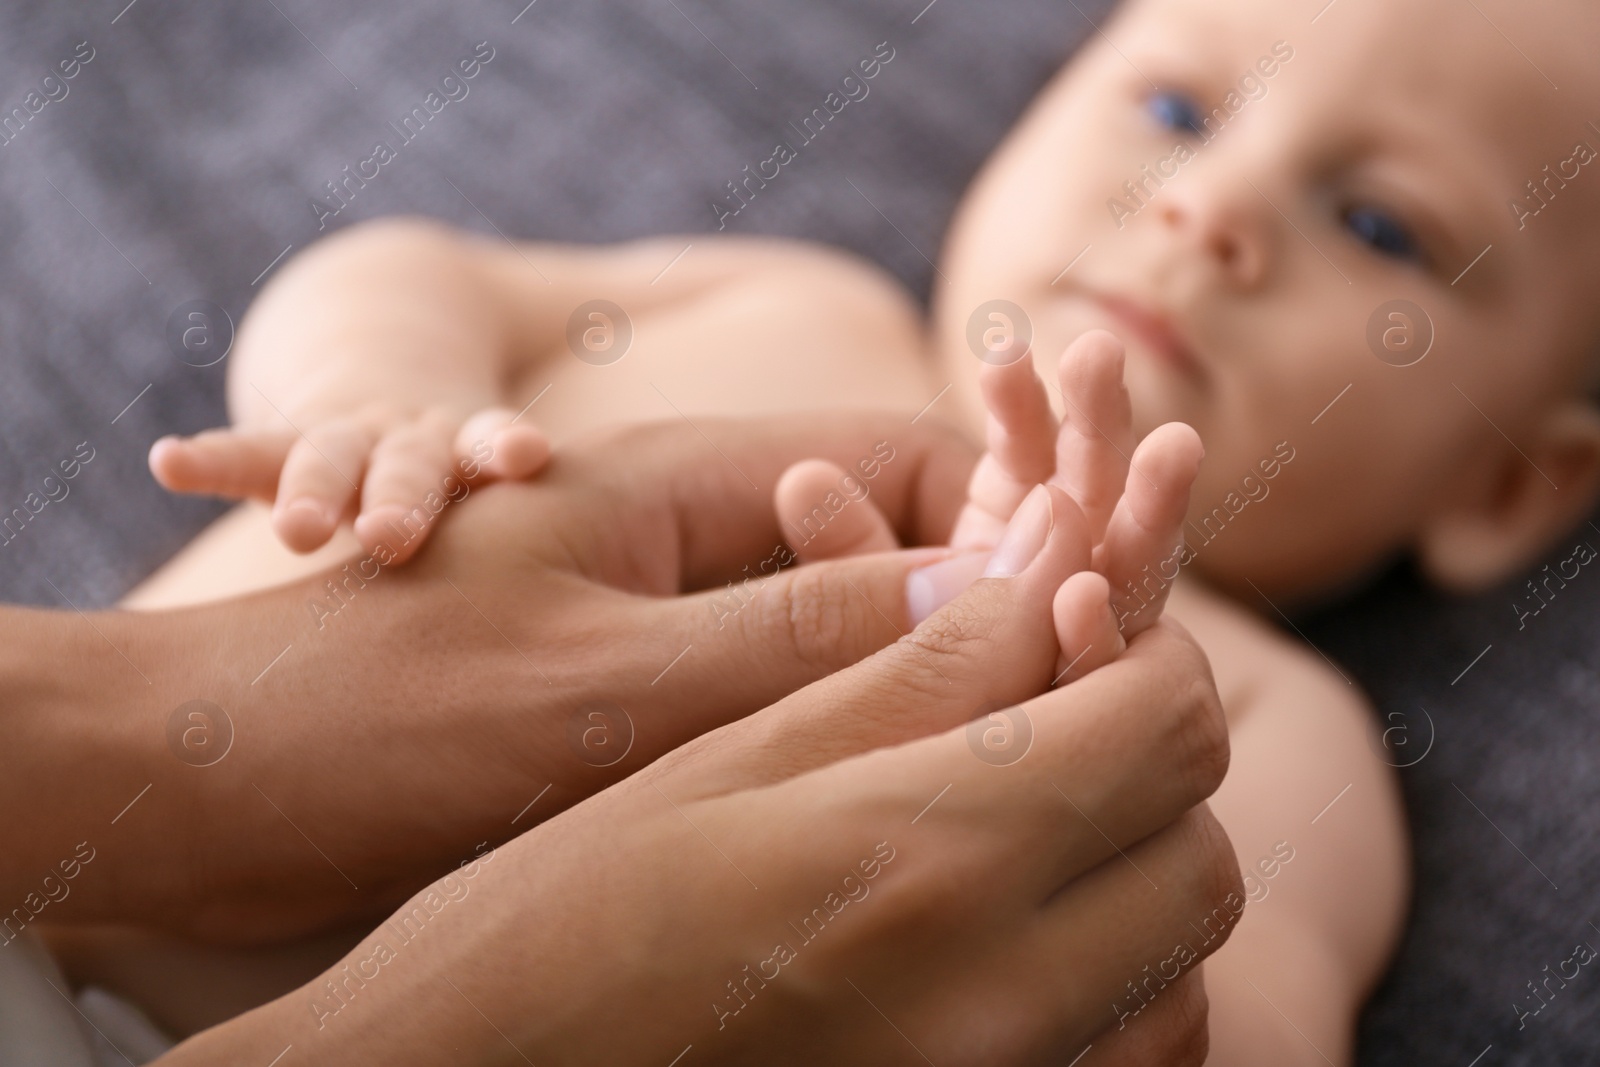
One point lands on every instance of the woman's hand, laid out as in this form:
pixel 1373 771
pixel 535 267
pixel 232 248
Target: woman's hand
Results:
pixel 1132 498
pixel 916 859
pixel 364 730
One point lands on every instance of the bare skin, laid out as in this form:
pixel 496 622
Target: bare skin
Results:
pixel 617 929
pixel 1267 681
pixel 1265 294
pixel 998 917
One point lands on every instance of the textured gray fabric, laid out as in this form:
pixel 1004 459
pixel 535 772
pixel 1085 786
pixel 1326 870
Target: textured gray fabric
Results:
pixel 184 158
pixel 1502 808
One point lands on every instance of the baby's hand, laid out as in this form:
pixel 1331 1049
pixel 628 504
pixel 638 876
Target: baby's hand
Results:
pixel 377 465
pixel 1133 500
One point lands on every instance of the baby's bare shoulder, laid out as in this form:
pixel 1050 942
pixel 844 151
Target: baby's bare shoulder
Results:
pixel 1307 776
pixel 1252 659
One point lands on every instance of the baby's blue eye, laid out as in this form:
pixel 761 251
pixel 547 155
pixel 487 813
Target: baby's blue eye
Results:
pixel 1176 111
pixel 1386 236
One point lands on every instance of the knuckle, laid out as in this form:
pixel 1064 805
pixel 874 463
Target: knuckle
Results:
pixel 953 635
pixel 380 413
pixel 1188 1035
pixel 438 420
pixel 1203 734
pixel 335 436
pixel 407 443
pixel 818 621
pixel 1214 867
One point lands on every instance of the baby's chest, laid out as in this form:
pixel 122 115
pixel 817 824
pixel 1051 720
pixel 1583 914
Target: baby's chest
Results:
pixel 777 318
pixel 766 342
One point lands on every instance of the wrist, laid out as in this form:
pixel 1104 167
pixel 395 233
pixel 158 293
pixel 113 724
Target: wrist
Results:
pixel 348 701
pixel 195 753
pixel 86 705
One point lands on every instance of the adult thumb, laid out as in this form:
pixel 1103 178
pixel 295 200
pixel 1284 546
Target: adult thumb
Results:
pixel 993 646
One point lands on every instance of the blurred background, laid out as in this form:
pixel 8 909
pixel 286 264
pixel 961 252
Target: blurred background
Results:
pixel 183 161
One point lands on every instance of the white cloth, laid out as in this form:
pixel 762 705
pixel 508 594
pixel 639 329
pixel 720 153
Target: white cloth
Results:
pixel 42 1024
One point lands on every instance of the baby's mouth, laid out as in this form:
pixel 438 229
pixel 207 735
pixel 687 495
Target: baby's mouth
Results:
pixel 1154 329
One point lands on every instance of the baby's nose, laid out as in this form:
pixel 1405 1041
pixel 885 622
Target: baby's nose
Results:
pixel 1230 228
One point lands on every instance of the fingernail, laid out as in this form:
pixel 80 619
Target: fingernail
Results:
pixel 1024 537
pixel 307 508
pixel 930 588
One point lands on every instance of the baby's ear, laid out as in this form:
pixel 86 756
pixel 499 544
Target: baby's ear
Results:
pixel 1527 500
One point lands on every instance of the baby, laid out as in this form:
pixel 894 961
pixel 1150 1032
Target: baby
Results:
pixel 1350 245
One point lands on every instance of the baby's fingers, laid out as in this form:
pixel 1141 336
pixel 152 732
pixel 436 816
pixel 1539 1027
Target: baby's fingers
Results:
pixel 821 517
pixel 318 483
pixel 227 463
pixel 1096 429
pixel 1086 626
pixel 410 479
pixel 1021 439
pixel 502 447
pixel 1143 546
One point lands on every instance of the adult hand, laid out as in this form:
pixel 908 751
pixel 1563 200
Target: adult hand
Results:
pixel 853 875
pixel 364 730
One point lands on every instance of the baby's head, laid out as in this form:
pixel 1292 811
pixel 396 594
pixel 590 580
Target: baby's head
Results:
pixel 1275 207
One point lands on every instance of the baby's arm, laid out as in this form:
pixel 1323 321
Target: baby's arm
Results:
pixel 368 369
pixel 1325 865
pixel 358 372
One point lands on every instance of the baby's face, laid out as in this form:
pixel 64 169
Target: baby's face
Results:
pixel 1236 190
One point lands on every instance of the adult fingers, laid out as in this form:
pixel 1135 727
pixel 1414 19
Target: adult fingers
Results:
pixel 1097 427
pixel 1136 928
pixel 1143 546
pixel 709 486
pixel 1042 789
pixel 995 644
pixel 319 482
pixel 409 468
pixel 1173 1031
pixel 1021 439
pixel 822 516
pixel 230 463
pixel 1109 759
